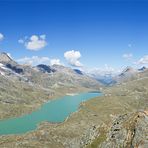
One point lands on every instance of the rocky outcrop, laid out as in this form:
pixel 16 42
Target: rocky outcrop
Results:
pixel 142 69
pixel 16 69
pixel 78 71
pixel 128 131
pixel 89 135
pixel 45 68
pixel 4 58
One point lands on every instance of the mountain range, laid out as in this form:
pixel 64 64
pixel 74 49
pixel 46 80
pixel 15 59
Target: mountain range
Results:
pixel 117 119
pixel 45 75
pixel 57 76
pixel 109 79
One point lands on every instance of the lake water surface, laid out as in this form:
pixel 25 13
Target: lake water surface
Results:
pixel 53 111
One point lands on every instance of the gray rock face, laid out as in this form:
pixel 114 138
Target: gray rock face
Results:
pixel 4 58
pixel 128 131
pixel 9 63
pixel 44 68
pixel 142 68
pixel 141 131
pixel 15 68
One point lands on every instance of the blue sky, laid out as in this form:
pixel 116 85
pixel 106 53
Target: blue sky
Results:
pixel 91 33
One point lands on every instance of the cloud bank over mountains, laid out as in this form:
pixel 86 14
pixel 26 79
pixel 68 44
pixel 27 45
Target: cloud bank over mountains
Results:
pixel 34 60
pixel 72 57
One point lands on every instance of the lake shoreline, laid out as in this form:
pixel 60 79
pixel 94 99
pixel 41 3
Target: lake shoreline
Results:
pixel 50 122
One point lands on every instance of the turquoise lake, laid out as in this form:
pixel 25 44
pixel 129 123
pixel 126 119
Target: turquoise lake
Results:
pixel 53 111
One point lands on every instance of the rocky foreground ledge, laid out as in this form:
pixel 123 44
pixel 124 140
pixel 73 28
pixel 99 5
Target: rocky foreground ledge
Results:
pixel 128 131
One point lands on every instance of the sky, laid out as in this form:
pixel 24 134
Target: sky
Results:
pixel 77 33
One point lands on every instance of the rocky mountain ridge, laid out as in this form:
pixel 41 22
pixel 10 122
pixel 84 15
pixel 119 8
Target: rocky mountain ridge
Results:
pixel 44 75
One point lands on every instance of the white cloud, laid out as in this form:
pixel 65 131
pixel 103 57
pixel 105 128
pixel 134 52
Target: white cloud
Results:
pixel 55 62
pixel 127 56
pixel 35 42
pixel 1 36
pixel 143 60
pixel 34 60
pixel 21 41
pixel 43 36
pixel 73 58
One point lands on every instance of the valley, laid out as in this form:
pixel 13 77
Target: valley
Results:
pixel 117 119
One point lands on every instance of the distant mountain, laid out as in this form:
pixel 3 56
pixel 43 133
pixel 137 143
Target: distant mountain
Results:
pixel 45 68
pixel 56 76
pixel 78 71
pixel 106 80
pixel 109 79
pixel 4 58
pixel 9 63
pixel 105 77
pixel 130 73
pixel 125 75
pixel 142 69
